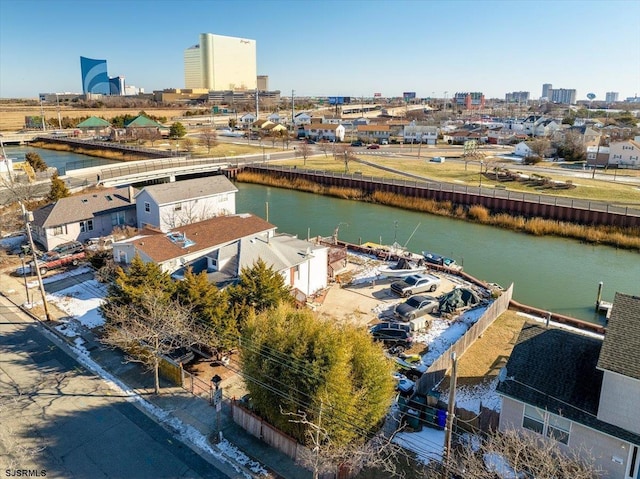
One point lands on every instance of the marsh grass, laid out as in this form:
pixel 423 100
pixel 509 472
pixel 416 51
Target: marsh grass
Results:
pixel 627 238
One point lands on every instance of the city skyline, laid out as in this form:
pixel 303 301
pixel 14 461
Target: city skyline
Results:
pixel 346 48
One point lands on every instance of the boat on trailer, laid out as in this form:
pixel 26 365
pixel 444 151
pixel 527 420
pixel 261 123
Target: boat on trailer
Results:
pixel 404 267
pixel 440 260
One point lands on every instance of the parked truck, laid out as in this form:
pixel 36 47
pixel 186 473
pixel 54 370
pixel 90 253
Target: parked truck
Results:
pixel 51 261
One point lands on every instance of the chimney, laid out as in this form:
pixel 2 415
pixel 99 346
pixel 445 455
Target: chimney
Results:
pixel 131 193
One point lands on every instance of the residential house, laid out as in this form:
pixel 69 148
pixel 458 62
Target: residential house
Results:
pixel 224 245
pixel 332 119
pixel 170 205
pixel 301 119
pixel 420 134
pixel 523 150
pixel 275 118
pixel 545 128
pixel 80 217
pixel 325 131
pixel 459 137
pixel 579 390
pixel 598 155
pixel 625 154
pixel 373 133
pixel 246 120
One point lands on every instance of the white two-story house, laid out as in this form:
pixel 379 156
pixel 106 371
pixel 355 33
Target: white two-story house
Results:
pixel 625 154
pixel 169 205
pixel 581 391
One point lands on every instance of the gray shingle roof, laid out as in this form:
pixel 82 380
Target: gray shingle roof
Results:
pixel 166 193
pixel 82 207
pixel 621 350
pixel 555 370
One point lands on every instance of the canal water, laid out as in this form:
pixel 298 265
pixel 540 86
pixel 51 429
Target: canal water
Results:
pixel 62 160
pixel 549 273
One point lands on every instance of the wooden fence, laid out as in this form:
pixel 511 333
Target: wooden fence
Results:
pixel 437 371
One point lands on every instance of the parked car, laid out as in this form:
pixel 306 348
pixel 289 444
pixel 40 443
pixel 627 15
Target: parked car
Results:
pixel 373 146
pixel 392 337
pixel 64 249
pixel 384 141
pixel 99 244
pixel 416 283
pixel 357 143
pixel 416 306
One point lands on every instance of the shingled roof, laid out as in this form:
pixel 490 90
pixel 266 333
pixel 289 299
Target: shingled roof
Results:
pixel 621 351
pixel 555 370
pixel 167 193
pixel 203 235
pixel 83 207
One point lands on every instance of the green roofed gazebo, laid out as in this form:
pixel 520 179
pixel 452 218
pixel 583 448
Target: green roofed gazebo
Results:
pixel 143 122
pixel 94 123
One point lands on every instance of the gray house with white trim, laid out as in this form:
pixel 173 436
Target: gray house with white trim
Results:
pixel 170 205
pixel 579 390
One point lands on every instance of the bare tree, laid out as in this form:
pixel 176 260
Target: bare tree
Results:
pixel 324 147
pixel 305 151
pixel 345 154
pixel 209 139
pixel 377 452
pixel 188 144
pixel 540 147
pixel 525 454
pixel 149 329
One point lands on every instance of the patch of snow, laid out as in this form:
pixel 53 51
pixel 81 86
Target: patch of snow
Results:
pixel 66 274
pixel 427 444
pixel 472 397
pixel 584 332
pixel 82 302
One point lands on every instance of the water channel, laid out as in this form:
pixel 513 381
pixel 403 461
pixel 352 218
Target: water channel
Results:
pixel 549 273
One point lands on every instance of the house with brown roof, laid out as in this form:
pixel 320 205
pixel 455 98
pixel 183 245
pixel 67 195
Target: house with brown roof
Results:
pixel 169 205
pixel 223 246
pixel 80 217
pixel 581 391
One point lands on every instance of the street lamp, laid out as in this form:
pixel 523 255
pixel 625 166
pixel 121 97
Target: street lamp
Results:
pixel 217 403
pixel 481 165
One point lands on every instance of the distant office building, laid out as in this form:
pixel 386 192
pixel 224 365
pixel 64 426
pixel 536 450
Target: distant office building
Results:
pixel 546 91
pixel 469 101
pixel 94 76
pixel 221 63
pixel 517 97
pixel 563 96
pixel 611 96
pixel 263 82
pixel 117 86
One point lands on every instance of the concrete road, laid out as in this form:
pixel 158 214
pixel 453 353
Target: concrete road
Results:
pixel 57 417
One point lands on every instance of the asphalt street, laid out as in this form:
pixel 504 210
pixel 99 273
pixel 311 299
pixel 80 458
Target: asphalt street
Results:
pixel 57 417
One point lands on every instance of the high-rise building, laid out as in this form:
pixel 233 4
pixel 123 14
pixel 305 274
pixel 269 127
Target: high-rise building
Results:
pixel 611 96
pixel 517 97
pixel 547 88
pixel 221 63
pixel 470 101
pixel 564 96
pixel 94 76
pixel 263 82
pixel 117 86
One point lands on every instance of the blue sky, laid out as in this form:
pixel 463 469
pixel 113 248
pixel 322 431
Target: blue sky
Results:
pixel 333 47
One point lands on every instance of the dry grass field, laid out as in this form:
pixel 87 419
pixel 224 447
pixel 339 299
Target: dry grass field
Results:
pixel 12 115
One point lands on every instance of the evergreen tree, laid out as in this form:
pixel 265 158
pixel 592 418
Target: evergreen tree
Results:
pixel 177 130
pixel 130 286
pixel 35 161
pixel 210 307
pixel 58 188
pixel 259 288
pixel 296 363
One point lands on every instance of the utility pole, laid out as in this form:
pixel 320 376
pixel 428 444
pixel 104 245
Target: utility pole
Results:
pixel 317 448
pixel 58 108
pixel 292 112
pixel 44 126
pixel 450 415
pixel 26 215
pixel 257 107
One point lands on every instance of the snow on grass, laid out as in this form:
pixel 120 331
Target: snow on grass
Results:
pixel 471 398
pixel 66 274
pixel 82 302
pixel 427 444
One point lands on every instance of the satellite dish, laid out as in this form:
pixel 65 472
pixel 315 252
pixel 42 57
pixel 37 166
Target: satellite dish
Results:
pixel 591 96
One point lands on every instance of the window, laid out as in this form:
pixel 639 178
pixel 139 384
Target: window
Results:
pixel 533 419
pixel 147 207
pixel 558 428
pixel 59 230
pixel 117 218
pixel 86 226
pixel 177 207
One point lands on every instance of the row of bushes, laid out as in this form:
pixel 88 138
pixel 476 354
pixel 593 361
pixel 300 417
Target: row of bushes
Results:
pixel 628 238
